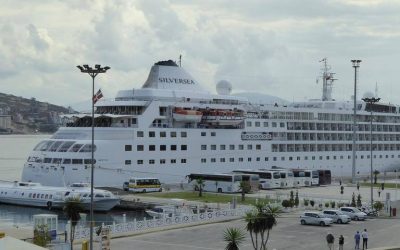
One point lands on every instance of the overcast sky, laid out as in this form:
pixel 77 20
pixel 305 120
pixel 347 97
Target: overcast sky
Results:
pixel 265 46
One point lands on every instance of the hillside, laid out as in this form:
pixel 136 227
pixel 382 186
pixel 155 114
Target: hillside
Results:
pixel 20 115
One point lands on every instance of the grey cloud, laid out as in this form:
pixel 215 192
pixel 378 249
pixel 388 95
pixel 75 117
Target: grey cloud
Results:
pixel 37 41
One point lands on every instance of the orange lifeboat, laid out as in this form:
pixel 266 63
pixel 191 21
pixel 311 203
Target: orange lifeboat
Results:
pixel 183 115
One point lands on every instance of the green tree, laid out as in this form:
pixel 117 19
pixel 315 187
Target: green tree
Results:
pixel 234 237
pixel 376 173
pixel 333 204
pixel 199 186
pixel 359 203
pixel 244 187
pixel 296 199
pixel 41 236
pixel 378 206
pixel 291 200
pixel 260 222
pixel 72 209
pixel 285 203
pixel 312 203
pixel 353 200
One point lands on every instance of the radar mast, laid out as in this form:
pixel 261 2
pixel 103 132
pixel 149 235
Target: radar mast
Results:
pixel 327 80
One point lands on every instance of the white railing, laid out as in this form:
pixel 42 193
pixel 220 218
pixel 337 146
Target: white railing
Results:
pixel 135 226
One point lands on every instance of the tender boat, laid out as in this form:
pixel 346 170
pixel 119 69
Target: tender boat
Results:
pixel 35 195
pixel 183 115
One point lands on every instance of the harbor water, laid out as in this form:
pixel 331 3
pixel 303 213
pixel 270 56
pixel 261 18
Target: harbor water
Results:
pixel 13 154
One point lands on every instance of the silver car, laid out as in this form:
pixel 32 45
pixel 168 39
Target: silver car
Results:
pixel 315 218
pixel 337 216
pixel 354 213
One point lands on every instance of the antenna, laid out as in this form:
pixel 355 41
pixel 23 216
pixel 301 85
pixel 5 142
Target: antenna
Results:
pixel 327 80
pixel 180 60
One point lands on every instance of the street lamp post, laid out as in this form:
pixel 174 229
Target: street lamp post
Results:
pixel 93 72
pixel 356 65
pixel 370 101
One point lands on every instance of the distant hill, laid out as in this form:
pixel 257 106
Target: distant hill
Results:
pixel 23 115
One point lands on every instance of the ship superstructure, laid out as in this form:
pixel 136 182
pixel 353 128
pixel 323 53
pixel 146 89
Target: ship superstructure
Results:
pixel 172 127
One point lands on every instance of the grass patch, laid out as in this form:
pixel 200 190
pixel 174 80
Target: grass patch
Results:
pixel 207 197
pixel 378 185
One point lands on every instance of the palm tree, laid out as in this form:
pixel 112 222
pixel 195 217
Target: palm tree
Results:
pixel 244 187
pixel 234 237
pixel 260 222
pixel 72 208
pixel 199 186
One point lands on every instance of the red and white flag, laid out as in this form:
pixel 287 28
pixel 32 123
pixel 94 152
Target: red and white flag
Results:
pixel 97 96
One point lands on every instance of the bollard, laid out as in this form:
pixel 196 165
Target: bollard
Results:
pixel 85 245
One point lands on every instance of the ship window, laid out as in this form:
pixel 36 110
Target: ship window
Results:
pixel 163 134
pixel 47 160
pixel 266 159
pixel 290 158
pixel 40 145
pixel 348 157
pixel 231 159
pixel 22 194
pixel 257 124
pixel 30 195
pixel 183 134
pixel 203 160
pixel 213 147
pixel 139 134
pixel 51 196
pixel 274 159
pixel 134 121
pixel 128 162
pixel 334 157
pixel 173 160
pixel 55 146
pixel 213 160
pixel 213 133
pixel 140 147
pixel 387 156
pixel 163 147
pixel 67 161
pixel 362 157
pixel 42 196
pixel 298 158
pixel 173 134
pixel 231 147
pixel 203 133
pixel 313 158
pixel 240 159
pixel 162 161
pixel 248 124
pixel 266 124
pixel 45 146
pixel 282 124
pixel 173 147
pixel 241 147
pixel 249 159
pixel 183 160
pixel 152 161
pixel 184 147
pixel 274 124
pixel 77 161
pixel 75 147
pixel 222 159
pixel 152 134
pixel 152 147
pixel 341 157
pixel 128 147
pixel 222 147
pixel 87 148
pixel 57 160
pixel 305 157
pixel 34 196
pixel 139 162
pixel 99 195
pixel 282 158
pixel 65 146
pixel 258 147
pixel 249 147
pixel 258 159
pixel 203 147
pixel 46 196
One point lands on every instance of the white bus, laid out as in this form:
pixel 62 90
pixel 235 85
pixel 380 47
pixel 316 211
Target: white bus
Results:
pixel 299 178
pixel 287 178
pixel 221 183
pixel 144 185
pixel 268 179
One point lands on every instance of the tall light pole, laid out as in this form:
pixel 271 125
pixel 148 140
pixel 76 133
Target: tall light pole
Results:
pixel 356 65
pixel 370 103
pixel 93 72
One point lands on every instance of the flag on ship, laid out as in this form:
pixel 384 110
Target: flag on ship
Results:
pixel 97 96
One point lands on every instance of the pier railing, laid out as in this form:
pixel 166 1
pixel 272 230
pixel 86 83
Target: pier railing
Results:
pixel 147 224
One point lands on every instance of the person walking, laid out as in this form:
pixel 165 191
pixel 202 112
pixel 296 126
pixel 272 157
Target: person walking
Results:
pixel 357 238
pixel 341 242
pixel 330 239
pixel 364 236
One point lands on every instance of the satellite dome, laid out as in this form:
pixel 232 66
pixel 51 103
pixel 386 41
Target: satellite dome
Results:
pixel 224 87
pixel 368 94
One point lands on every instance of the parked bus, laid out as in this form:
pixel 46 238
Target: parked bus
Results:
pixel 144 185
pixel 268 179
pixel 315 178
pixel 308 177
pixel 253 180
pixel 299 178
pixel 221 183
pixel 325 177
pixel 287 178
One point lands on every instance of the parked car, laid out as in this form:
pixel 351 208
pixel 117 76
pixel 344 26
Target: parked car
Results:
pixel 354 213
pixel 125 186
pixel 315 218
pixel 337 216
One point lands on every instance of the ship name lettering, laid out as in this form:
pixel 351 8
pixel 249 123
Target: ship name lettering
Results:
pixel 175 80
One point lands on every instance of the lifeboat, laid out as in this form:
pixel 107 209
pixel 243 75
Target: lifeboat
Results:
pixel 183 115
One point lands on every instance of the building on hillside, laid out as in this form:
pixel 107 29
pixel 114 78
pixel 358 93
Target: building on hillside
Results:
pixel 5 123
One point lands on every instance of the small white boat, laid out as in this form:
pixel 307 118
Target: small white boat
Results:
pixel 35 195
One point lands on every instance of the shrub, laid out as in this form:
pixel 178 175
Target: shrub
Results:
pixel 333 204
pixel 340 204
pixel 305 202
pixel 286 203
pixel 326 204
pixel 378 205
pixel 312 202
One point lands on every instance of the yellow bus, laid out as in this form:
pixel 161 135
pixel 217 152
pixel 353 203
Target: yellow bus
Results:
pixel 144 185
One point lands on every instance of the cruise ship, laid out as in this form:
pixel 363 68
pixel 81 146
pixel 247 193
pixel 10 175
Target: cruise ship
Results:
pixel 171 127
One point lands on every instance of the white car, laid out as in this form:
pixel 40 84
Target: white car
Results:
pixel 354 213
pixel 315 218
pixel 337 216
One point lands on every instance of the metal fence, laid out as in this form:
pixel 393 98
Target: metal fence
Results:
pixel 136 226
